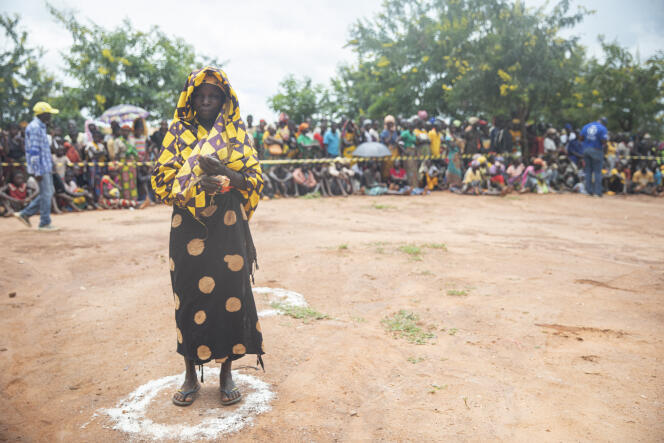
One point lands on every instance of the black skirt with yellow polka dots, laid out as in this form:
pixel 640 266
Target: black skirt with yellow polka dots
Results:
pixel 211 262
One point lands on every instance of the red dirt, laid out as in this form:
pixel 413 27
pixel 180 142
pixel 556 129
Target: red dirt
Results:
pixel 557 337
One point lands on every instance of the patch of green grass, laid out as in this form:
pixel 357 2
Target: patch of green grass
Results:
pixel 382 206
pixel 457 292
pixel 403 324
pixel 311 195
pixel 299 312
pixel 415 360
pixel 453 331
pixel 343 247
pixel 414 251
pixel 442 246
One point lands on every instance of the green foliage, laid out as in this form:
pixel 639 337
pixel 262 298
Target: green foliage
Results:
pixel 123 65
pixel 300 99
pixel 460 57
pixel 629 93
pixel 299 312
pixel 22 82
pixel 457 292
pixel 403 324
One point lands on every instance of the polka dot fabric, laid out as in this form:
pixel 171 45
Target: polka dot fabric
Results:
pixel 215 312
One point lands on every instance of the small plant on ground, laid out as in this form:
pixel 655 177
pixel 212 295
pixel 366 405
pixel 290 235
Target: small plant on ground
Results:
pixel 414 251
pixel 415 360
pixel 403 324
pixel 343 247
pixel 457 292
pixel 436 388
pixel 300 312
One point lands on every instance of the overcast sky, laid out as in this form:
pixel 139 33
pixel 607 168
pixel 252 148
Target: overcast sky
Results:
pixel 265 40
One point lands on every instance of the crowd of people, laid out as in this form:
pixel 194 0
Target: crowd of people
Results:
pixel 469 157
pixel 110 168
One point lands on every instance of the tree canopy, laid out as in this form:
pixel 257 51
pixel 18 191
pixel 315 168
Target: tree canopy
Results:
pixel 492 57
pixel 299 98
pixel 22 81
pixel 124 65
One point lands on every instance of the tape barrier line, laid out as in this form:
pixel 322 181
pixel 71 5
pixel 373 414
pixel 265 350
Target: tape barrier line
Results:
pixel 322 160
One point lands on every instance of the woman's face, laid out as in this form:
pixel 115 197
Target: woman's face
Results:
pixel 207 101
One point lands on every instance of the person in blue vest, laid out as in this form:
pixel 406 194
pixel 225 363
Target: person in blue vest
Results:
pixel 594 137
pixel 40 166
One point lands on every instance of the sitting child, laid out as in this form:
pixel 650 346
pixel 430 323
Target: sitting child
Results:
pixel 16 195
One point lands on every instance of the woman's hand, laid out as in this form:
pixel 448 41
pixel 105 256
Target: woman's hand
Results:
pixel 211 185
pixel 212 166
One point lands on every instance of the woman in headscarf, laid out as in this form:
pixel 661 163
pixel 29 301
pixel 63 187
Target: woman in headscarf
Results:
pixel 209 172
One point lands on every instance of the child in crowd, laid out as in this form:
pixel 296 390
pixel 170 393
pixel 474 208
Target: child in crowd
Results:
pixel 16 195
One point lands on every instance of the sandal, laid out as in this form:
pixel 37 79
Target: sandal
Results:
pixel 228 394
pixel 186 395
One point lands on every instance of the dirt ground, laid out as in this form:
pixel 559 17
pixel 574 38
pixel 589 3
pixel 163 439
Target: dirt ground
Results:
pixel 547 312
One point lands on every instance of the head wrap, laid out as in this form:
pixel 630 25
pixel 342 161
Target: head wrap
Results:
pixel 389 119
pixel 186 141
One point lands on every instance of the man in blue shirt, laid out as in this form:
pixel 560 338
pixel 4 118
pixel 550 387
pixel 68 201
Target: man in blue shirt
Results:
pixel 331 141
pixel 40 165
pixel 594 137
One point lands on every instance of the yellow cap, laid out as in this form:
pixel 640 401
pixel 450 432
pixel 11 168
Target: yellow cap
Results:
pixel 43 107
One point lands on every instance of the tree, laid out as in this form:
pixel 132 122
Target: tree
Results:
pixel 300 99
pixel 629 93
pixel 461 57
pixel 124 65
pixel 22 81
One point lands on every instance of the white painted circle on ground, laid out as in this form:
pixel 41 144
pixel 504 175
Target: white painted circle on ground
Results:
pixel 281 296
pixel 130 414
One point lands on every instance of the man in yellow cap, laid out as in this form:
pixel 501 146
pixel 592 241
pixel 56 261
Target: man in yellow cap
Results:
pixel 40 165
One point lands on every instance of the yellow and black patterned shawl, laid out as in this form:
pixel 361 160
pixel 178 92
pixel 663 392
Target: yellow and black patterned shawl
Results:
pixel 176 175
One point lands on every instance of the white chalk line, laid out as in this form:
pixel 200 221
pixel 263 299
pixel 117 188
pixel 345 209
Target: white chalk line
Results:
pixel 129 415
pixel 279 295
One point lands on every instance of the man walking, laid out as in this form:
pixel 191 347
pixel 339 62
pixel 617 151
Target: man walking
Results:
pixel 40 165
pixel 594 136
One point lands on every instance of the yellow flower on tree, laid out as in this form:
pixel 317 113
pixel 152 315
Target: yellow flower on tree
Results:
pixel 384 61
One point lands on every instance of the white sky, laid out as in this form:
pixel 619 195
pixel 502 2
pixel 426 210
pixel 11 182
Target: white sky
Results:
pixel 265 40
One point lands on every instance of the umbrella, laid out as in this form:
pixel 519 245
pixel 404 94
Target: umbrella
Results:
pixel 372 149
pixel 123 114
